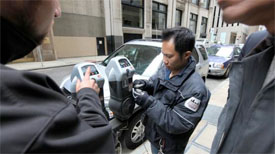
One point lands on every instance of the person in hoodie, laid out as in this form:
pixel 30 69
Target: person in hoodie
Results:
pixel 247 124
pixel 36 117
pixel 175 98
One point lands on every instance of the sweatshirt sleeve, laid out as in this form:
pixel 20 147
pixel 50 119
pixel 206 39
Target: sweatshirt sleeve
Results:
pixel 90 108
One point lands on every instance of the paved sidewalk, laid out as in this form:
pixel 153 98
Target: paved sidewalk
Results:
pixel 56 63
pixel 201 140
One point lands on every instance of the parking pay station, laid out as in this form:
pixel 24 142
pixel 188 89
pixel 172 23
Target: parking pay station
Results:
pixel 120 73
pixel 78 72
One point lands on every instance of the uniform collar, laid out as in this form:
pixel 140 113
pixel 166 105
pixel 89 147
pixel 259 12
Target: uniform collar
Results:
pixel 178 79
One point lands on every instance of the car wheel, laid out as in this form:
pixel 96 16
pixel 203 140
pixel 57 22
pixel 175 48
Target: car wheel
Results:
pixel 135 135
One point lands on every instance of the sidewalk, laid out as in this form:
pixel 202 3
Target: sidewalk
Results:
pixel 201 140
pixel 56 63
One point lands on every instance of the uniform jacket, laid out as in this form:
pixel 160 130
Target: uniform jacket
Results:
pixel 35 115
pixel 246 124
pixel 179 104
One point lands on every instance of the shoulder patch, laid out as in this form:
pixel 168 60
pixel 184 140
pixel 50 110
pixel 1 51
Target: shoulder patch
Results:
pixel 192 104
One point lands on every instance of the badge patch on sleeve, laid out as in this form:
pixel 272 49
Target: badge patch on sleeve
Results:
pixel 192 104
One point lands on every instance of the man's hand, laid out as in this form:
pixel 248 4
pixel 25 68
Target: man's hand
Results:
pixel 139 84
pixel 142 98
pixel 87 82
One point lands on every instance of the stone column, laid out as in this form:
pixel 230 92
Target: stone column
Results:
pixel 171 13
pixel 148 18
pixel 113 20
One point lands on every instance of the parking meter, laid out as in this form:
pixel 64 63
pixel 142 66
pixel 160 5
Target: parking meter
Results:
pixel 78 72
pixel 120 73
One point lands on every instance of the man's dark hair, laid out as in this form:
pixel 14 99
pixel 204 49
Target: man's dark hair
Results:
pixel 184 38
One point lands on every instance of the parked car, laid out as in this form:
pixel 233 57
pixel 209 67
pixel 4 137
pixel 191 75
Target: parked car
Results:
pixel 204 42
pixel 220 57
pixel 146 57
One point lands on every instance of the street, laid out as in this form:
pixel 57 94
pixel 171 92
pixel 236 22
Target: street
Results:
pixel 57 73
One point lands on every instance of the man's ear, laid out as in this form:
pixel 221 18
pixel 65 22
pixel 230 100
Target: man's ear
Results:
pixel 187 54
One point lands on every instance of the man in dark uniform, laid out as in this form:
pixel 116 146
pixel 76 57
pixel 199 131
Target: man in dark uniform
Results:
pixel 175 98
pixel 36 117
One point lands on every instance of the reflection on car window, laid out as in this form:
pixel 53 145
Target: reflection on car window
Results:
pixel 220 51
pixel 139 55
pixel 237 51
pixel 195 55
pixel 203 52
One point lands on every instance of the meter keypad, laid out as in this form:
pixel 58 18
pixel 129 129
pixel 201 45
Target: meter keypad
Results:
pixel 123 63
pixel 94 71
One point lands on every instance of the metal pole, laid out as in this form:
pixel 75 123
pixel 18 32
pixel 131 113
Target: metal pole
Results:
pixel 40 55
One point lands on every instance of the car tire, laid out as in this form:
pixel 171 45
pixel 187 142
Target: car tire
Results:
pixel 135 135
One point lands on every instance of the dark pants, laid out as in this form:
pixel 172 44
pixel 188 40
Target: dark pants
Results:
pixel 154 149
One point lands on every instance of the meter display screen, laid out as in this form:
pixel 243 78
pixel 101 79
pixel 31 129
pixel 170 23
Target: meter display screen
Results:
pixel 123 63
pixel 94 71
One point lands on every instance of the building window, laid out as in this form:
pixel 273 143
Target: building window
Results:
pixel 178 17
pixel 195 2
pixel 133 13
pixel 214 15
pixel 156 36
pixel 203 27
pixel 159 16
pixel 206 4
pixel 193 22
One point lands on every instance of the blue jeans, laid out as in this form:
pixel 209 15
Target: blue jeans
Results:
pixel 154 149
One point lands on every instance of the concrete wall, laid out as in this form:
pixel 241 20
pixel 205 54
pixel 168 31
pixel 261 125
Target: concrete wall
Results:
pixel 147 19
pixel 79 25
pixel 161 1
pixel 83 7
pixel 113 20
pixel 75 46
pixel 201 12
pixel 220 29
pixel 181 6
pixel 76 30
pixel 241 31
pixel 84 20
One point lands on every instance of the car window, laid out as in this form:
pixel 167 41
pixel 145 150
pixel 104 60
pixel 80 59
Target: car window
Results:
pixel 195 55
pixel 127 51
pixel 144 57
pixel 237 51
pixel 220 51
pixel 203 52
pixel 139 55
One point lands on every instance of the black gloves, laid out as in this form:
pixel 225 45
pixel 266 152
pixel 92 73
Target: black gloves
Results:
pixel 142 98
pixel 139 84
pixel 146 85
